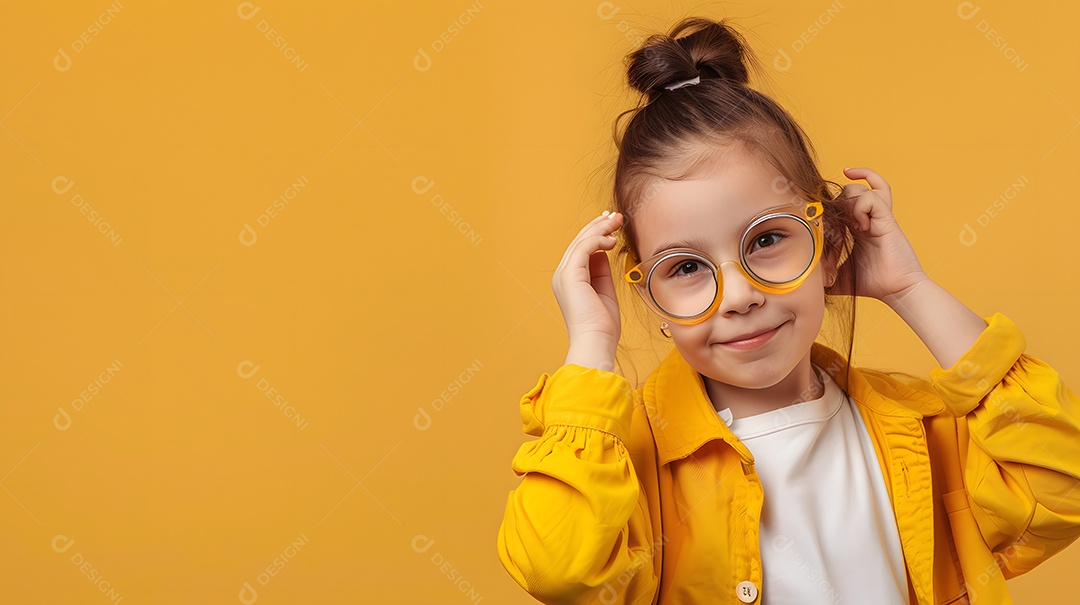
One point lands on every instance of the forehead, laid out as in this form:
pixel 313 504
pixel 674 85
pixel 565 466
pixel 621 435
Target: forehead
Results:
pixel 710 207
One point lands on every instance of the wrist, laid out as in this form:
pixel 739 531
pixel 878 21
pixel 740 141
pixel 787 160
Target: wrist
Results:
pixel 591 354
pixel 897 299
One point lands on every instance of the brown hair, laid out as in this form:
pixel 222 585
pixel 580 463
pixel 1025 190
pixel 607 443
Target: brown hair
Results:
pixel 673 133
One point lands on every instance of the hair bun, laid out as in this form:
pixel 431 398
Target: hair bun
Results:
pixel 695 47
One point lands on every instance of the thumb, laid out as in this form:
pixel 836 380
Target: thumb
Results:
pixel 600 274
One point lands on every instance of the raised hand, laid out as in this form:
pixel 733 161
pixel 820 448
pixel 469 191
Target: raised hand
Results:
pixel 885 263
pixel 585 292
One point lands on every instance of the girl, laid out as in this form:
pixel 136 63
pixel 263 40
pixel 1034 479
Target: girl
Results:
pixel 755 465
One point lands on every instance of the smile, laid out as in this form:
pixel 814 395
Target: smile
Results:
pixel 754 341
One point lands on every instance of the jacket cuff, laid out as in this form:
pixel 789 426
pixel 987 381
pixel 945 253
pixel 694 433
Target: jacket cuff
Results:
pixel 980 368
pixel 578 396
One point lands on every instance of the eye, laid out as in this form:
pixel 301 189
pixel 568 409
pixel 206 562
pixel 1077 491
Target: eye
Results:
pixel 766 240
pixel 686 267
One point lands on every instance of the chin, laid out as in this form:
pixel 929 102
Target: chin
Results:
pixel 757 374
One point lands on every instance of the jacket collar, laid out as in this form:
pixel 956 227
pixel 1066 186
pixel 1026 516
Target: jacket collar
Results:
pixel 683 418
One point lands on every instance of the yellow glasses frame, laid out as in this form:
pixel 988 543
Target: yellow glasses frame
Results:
pixel 639 273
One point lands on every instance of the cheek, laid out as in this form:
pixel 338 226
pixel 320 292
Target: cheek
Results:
pixel 808 300
pixel 814 286
pixel 810 310
pixel 687 338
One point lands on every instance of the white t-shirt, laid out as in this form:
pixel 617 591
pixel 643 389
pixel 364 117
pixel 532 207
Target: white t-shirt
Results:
pixel 828 534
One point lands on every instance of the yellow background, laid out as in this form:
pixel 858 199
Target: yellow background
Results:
pixel 436 158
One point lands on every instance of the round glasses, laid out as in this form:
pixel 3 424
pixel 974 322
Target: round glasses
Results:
pixel 777 251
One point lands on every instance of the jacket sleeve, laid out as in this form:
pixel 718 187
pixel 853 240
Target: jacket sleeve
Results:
pixel 1022 463
pixel 577 528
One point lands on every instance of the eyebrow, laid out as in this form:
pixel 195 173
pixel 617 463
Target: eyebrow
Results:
pixel 696 243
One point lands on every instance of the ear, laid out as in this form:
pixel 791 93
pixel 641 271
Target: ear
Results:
pixel 828 265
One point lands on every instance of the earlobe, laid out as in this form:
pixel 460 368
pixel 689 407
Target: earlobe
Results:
pixel 828 265
pixel 831 273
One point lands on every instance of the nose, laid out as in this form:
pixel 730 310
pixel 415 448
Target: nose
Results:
pixel 739 294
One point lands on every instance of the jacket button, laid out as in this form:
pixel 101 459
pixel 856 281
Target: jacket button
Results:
pixel 746 591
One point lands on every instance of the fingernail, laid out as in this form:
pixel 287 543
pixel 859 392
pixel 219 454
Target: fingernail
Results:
pixel 605 213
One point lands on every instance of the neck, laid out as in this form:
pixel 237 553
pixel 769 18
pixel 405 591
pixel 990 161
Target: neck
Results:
pixel 802 384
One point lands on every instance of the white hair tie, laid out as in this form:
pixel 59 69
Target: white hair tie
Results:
pixel 684 83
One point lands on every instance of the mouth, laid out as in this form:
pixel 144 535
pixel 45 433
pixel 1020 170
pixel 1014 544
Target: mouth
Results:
pixel 752 339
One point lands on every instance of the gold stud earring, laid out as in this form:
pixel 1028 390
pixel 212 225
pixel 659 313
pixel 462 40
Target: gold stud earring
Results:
pixel 664 330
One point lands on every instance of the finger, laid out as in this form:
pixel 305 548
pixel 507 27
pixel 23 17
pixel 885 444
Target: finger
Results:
pixel 867 208
pixel 579 257
pixel 876 181
pixel 603 225
pixel 878 187
pixel 853 190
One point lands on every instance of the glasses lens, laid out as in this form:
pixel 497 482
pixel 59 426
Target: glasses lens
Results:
pixel 683 285
pixel 778 250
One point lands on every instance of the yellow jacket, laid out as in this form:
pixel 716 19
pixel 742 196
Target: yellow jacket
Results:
pixel 644 496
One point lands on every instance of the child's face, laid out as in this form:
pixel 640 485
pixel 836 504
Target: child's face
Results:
pixel 714 208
